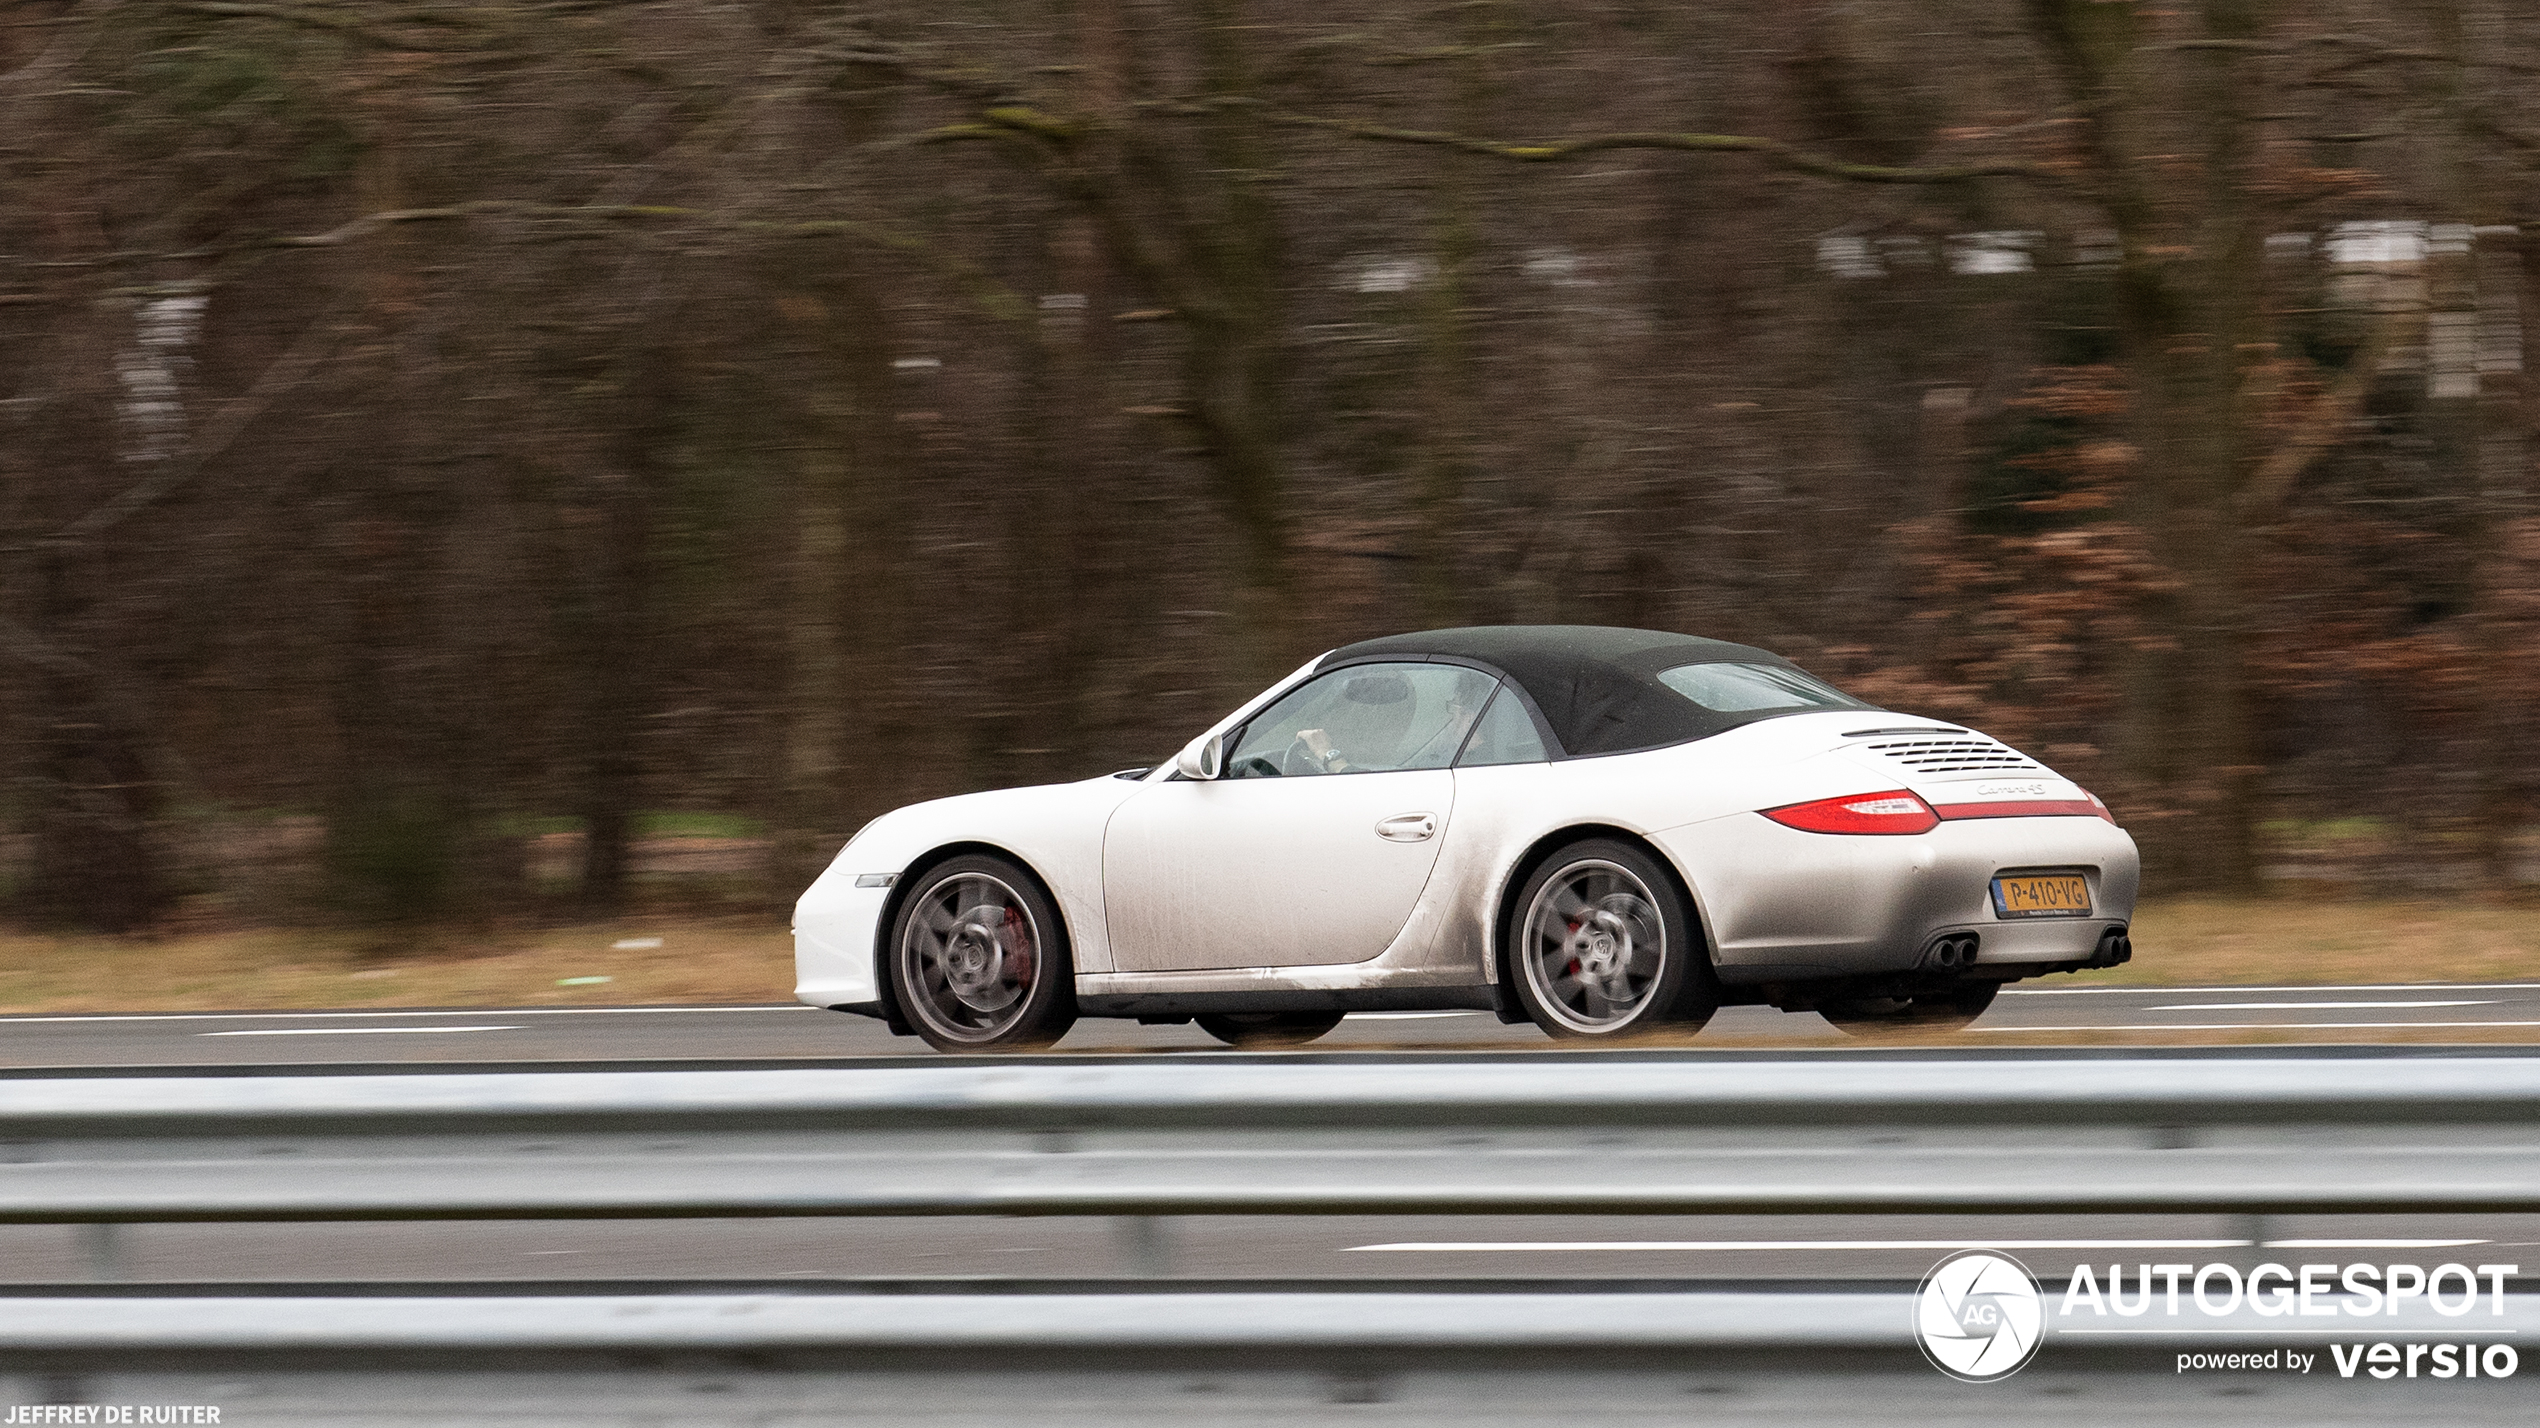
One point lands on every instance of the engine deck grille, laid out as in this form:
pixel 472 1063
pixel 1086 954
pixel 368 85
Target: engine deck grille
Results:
pixel 1957 755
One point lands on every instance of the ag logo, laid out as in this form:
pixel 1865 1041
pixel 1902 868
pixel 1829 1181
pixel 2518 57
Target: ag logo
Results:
pixel 1979 1316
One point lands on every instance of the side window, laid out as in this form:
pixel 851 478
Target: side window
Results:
pixel 1365 718
pixel 1506 736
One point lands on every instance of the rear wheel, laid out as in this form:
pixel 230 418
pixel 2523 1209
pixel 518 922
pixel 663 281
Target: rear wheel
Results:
pixel 1263 1030
pixel 1605 947
pixel 979 959
pixel 1926 1011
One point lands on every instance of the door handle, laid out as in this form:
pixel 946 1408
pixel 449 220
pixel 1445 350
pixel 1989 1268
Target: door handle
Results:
pixel 1408 827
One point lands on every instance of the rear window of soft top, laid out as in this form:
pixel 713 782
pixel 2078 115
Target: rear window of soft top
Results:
pixel 1734 688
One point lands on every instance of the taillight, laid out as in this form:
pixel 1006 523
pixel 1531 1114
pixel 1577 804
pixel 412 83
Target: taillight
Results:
pixel 2098 807
pixel 1896 811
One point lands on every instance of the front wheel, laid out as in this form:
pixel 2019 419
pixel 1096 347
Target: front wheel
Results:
pixel 1253 1031
pixel 1951 1010
pixel 1606 947
pixel 979 959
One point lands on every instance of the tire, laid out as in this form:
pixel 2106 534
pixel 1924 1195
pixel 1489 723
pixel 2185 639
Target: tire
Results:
pixel 1253 1031
pixel 1604 946
pixel 979 959
pixel 1951 1010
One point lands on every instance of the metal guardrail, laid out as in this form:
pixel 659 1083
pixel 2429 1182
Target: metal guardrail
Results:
pixel 1520 1135
pixel 1509 1360
pixel 1536 1323
pixel 961 1321
pixel 2249 1136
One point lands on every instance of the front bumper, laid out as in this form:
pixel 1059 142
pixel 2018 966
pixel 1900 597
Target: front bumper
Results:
pixel 1783 905
pixel 834 936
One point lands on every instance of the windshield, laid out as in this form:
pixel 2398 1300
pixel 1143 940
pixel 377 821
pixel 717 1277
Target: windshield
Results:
pixel 1754 688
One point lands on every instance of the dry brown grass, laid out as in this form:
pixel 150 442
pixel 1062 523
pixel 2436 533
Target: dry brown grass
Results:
pixel 2204 942
pixel 2190 942
pixel 700 960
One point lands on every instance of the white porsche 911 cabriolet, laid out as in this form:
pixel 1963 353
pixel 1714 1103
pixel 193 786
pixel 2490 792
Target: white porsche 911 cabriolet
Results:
pixel 1607 832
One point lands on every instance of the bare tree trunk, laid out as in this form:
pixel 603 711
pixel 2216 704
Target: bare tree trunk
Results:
pixel 1447 469
pixel 615 668
pixel 92 792
pixel 847 647
pixel 2500 512
pixel 814 703
pixel 400 825
pixel 1228 252
pixel 2189 289
pixel 97 863
pixel 2486 290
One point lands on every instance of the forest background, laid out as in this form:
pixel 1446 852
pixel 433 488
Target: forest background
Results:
pixel 447 447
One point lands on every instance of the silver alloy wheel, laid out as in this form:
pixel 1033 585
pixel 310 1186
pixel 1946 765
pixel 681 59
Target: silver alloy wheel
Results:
pixel 970 953
pixel 1593 945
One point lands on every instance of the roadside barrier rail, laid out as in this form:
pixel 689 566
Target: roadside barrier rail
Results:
pixel 1484 1135
pixel 964 1320
pixel 2245 1136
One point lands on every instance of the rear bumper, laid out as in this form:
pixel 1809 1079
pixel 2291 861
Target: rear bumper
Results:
pixel 1783 905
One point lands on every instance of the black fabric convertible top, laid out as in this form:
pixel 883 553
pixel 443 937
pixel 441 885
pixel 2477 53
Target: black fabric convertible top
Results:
pixel 1596 686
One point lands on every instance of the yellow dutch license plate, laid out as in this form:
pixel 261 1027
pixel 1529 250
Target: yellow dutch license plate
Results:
pixel 2042 895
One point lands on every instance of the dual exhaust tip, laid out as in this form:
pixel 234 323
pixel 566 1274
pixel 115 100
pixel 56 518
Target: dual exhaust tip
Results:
pixel 1958 949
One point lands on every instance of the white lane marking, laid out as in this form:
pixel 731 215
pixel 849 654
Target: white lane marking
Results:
pixel 1406 1016
pixel 2321 1329
pixel 444 1011
pixel 2261 1026
pixel 2372 1244
pixel 351 1030
pixel 2304 1006
pixel 2194 991
pixel 1433 1246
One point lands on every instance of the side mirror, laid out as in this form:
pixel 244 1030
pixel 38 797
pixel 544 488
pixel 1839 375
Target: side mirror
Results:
pixel 1202 758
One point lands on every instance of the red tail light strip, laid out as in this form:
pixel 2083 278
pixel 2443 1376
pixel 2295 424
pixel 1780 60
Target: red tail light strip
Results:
pixel 1897 811
pixel 2023 808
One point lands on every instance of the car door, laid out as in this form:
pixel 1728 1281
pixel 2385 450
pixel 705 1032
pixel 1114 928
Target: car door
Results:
pixel 1315 846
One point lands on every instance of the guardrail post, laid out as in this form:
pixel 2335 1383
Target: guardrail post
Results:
pixel 102 1245
pixel 1144 1244
pixel 2254 1228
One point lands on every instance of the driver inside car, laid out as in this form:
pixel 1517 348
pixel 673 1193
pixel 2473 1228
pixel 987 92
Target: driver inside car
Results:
pixel 1365 731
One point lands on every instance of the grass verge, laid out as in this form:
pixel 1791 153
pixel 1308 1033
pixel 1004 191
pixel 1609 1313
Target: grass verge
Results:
pixel 686 960
pixel 2187 942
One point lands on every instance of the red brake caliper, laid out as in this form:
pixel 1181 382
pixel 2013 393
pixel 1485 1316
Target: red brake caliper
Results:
pixel 1019 938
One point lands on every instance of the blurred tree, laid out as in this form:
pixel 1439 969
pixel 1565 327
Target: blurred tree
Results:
pixel 456 424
